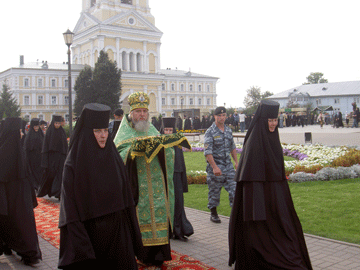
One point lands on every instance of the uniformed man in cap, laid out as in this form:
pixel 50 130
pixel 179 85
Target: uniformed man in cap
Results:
pixel 219 145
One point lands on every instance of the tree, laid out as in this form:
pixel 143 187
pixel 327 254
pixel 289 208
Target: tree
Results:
pixel 99 86
pixel 315 77
pixel 106 79
pixel 253 98
pixel 8 104
pixel 84 89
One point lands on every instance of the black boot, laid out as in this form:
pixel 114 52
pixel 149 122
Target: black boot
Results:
pixel 214 216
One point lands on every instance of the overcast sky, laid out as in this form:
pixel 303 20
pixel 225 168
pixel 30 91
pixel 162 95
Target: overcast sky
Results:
pixel 270 44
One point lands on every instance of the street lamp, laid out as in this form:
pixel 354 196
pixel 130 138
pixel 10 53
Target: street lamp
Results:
pixel 181 102
pixel 68 37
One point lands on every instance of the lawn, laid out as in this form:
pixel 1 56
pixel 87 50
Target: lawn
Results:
pixel 329 209
pixel 326 208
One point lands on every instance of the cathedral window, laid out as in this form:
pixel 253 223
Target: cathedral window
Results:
pixel 129 2
pixel 26 82
pixel 40 100
pixel 26 100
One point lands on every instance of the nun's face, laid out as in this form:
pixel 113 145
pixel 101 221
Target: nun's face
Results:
pixel 273 122
pixel 101 136
pixel 57 124
pixel 168 130
pixel 36 128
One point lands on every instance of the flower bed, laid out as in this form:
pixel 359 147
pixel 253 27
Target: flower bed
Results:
pixel 312 162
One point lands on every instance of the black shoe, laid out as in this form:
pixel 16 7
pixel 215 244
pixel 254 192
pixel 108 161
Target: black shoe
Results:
pixel 7 251
pixel 181 238
pixel 30 261
pixel 215 218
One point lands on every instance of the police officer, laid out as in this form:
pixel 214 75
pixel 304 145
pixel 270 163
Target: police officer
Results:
pixel 219 145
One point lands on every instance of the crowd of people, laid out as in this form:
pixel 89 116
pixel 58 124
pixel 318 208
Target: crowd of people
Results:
pixel 121 185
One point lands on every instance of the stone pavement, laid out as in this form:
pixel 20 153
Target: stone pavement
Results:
pixel 209 243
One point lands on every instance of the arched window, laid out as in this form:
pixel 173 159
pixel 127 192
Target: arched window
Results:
pixel 129 2
pixel 124 60
pixel 138 62
pixel 132 62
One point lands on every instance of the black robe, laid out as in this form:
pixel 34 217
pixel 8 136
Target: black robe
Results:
pixel 264 231
pixel 33 146
pixel 98 222
pixel 54 152
pixel 115 129
pixel 17 221
pixel 187 124
pixel 181 226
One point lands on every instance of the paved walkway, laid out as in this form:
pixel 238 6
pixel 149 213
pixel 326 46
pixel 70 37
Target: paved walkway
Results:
pixel 209 243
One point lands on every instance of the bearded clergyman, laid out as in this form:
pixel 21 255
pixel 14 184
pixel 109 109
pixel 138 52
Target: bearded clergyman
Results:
pixel 149 159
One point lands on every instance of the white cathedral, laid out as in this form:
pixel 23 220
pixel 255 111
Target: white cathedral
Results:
pixel 126 30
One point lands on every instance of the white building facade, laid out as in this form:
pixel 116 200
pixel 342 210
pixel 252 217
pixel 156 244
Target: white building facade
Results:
pixel 339 95
pixel 126 31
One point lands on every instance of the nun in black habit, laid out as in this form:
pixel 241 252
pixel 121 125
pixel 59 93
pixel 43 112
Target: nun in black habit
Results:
pixel 17 221
pixel 33 146
pixel 98 222
pixel 265 231
pixel 53 156
pixel 182 227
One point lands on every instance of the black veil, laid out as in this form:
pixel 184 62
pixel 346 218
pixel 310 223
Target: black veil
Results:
pixel 99 181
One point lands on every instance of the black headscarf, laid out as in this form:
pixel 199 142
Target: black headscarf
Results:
pixel 55 138
pixel 34 139
pixel 11 155
pixel 262 157
pixel 168 122
pixel 100 184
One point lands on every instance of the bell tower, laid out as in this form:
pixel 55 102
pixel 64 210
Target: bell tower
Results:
pixel 125 29
pixel 104 9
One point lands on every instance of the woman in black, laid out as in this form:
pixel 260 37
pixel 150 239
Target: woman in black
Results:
pixel 182 227
pixel 17 221
pixel 33 145
pixel 53 152
pixel 98 222
pixel 265 231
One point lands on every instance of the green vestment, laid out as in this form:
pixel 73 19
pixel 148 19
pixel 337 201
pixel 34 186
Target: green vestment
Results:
pixel 154 157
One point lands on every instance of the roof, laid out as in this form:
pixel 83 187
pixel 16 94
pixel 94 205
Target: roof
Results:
pixel 182 73
pixel 46 65
pixel 323 89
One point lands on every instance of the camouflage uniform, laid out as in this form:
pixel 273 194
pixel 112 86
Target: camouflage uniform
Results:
pixel 220 145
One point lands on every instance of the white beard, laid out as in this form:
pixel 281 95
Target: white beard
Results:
pixel 141 125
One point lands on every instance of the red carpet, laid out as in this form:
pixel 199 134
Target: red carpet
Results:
pixel 47 218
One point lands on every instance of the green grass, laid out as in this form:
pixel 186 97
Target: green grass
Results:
pixel 329 209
